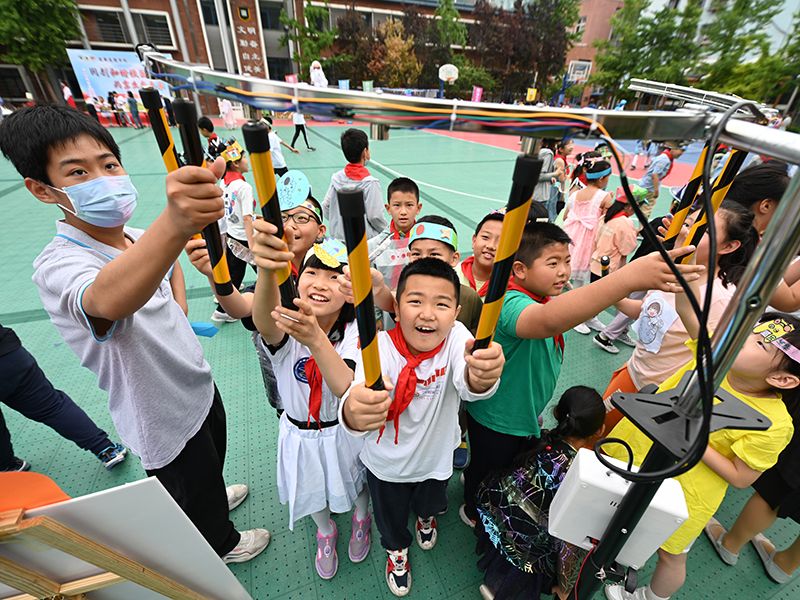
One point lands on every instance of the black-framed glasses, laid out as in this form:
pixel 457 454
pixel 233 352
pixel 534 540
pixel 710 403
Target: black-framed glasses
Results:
pixel 300 218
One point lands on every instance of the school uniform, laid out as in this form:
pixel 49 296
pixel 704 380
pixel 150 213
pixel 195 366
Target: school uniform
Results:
pixel 318 463
pixel 409 462
pixel 161 394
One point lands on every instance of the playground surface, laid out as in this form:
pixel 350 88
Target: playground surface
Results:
pixel 461 176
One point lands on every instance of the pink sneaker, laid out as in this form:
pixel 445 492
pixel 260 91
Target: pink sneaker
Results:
pixel 327 561
pixel 359 538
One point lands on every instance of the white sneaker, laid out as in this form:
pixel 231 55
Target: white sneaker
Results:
pixel 462 512
pixel 595 323
pixel 627 340
pixel 617 592
pixel 486 592
pixel 220 317
pixel 252 543
pixel 236 494
pixel 582 329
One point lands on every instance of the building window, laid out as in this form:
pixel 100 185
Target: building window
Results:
pixel 580 26
pixel 271 15
pixel 153 29
pixel 209 11
pixel 11 84
pixel 279 67
pixel 110 27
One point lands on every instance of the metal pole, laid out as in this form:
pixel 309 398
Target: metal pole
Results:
pixel 173 5
pixel 84 37
pixel 224 37
pixel 126 11
pixel 777 143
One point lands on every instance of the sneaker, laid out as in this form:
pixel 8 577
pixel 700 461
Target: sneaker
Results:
pixel 606 344
pixel 486 592
pixel 595 323
pixel 236 495
pixel 462 512
pixel 312 149
pixel 582 329
pixel 461 456
pixel 618 592
pixel 327 561
pixel 398 572
pixel 112 456
pixel 16 464
pixel 426 532
pixel 358 548
pixel 627 340
pixel 222 317
pixel 252 543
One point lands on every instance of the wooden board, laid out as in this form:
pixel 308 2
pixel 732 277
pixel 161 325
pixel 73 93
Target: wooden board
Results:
pixel 141 521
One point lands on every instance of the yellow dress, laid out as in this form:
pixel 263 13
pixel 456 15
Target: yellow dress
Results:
pixel 703 488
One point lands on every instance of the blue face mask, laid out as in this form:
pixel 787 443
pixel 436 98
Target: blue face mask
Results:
pixel 104 201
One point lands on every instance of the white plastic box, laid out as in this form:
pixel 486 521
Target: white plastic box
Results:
pixel 588 497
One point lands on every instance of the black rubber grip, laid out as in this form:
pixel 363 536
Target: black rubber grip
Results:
pixel 150 98
pixel 186 116
pixel 256 137
pixel 351 204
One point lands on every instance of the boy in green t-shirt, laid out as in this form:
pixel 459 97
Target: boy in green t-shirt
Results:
pixel 532 321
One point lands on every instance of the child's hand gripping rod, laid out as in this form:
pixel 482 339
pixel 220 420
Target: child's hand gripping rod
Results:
pixel 681 211
pixel 256 140
pixel 186 116
pixel 351 207
pixel 158 121
pixel 719 190
pixel 526 175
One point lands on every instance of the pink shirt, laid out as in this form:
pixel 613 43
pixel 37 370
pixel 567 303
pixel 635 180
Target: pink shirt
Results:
pixel 615 239
pixel 645 366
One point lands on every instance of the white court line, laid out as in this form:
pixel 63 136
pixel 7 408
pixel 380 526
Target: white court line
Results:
pixel 435 187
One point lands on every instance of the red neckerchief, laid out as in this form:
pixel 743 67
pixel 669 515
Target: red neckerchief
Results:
pixel 406 385
pixel 466 268
pixel 356 171
pixel 212 137
pixel 295 272
pixel 231 176
pixel 513 286
pixel 668 152
pixel 396 233
pixel 314 377
pixel 618 215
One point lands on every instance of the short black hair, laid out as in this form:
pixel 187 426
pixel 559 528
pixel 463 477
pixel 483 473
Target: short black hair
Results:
pixel 437 220
pixel 354 142
pixel 401 184
pixel 536 237
pixel 29 135
pixel 766 181
pixel 538 212
pixel 432 267
pixel 205 123
pixel 492 216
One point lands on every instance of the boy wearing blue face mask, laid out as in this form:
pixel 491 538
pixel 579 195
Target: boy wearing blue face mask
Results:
pixel 106 288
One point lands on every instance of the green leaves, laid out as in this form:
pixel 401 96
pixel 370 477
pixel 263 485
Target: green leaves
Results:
pixel 33 33
pixel 311 37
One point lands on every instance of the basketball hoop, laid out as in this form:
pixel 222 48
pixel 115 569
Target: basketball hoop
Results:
pixel 448 73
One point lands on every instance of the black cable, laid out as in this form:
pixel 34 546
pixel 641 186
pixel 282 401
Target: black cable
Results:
pixel 704 366
pixel 621 442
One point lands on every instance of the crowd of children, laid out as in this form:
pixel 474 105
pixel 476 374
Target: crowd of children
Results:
pixel 113 291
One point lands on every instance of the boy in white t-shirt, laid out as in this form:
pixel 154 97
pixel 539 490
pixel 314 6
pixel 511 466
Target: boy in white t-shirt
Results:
pixel 410 434
pixel 299 121
pixel 275 143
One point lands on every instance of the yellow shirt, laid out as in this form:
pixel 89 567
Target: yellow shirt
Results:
pixel 703 488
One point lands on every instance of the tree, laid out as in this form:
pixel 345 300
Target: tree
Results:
pixel 34 34
pixel 394 63
pixel 735 32
pixel 470 74
pixel 311 37
pixel 355 46
pixel 451 31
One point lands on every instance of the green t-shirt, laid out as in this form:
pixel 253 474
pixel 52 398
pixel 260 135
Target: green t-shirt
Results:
pixel 528 380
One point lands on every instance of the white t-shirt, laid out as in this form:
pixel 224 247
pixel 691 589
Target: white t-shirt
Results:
pixel 159 385
pixel 67 92
pixel 429 430
pixel 278 162
pixel 298 118
pixel 239 202
pixel 289 362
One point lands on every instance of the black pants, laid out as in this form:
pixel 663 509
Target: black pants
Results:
pixel 298 129
pixel 490 451
pixel 392 501
pixel 93 112
pixel 281 171
pixel 26 389
pixel 194 480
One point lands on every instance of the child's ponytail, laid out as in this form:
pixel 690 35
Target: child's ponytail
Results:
pixel 584 161
pixel 580 413
pixel 738 227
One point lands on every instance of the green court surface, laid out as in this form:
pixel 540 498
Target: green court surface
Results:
pixel 460 179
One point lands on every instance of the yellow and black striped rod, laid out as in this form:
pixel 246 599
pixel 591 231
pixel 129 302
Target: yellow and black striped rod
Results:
pixel 158 121
pixel 351 207
pixel 605 263
pixel 186 116
pixel 526 175
pixel 256 140
pixel 681 211
pixel 719 190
